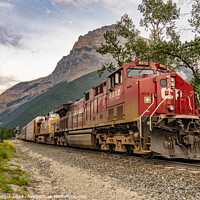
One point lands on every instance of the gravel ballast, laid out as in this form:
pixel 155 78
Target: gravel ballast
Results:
pixel 66 173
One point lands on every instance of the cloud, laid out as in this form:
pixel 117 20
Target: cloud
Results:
pixel 7 81
pixel 9 37
pixel 119 7
pixel 115 6
pixel 47 10
pixel 75 3
pixel 4 80
pixel 5 5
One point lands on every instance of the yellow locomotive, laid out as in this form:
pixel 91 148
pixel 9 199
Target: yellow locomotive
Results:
pixel 49 126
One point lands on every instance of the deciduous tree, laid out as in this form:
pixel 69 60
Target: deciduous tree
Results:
pixel 158 17
pixel 119 43
pixel 195 16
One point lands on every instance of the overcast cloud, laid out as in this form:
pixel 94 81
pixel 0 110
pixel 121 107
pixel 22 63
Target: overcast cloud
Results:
pixel 9 36
pixel 6 5
pixel 7 81
pixel 118 7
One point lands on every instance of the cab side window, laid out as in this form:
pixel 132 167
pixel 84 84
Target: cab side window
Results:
pixel 115 79
pixel 87 96
pixel 99 89
pixel 163 82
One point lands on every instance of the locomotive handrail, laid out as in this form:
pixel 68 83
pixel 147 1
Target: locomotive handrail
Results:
pixel 158 107
pixel 197 96
pixel 144 113
pixel 190 103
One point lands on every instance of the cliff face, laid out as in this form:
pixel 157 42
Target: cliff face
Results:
pixel 82 59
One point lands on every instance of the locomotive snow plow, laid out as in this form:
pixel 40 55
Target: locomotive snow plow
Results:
pixel 180 141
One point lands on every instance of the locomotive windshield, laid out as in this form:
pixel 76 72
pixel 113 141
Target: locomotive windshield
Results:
pixel 161 72
pixel 138 72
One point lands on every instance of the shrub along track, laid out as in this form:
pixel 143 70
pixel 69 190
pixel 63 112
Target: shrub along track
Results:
pixel 13 180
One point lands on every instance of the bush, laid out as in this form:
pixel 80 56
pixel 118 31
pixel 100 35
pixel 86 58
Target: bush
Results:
pixel 7 150
pixel 16 175
pixel 6 134
pixel 4 155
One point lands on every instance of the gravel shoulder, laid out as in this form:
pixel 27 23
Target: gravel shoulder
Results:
pixel 64 173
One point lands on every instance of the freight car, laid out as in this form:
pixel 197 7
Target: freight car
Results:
pixel 142 107
pixel 29 131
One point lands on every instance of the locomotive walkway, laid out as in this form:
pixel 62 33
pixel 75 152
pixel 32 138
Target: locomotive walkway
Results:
pixel 66 173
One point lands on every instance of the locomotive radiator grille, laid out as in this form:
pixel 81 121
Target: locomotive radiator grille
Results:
pixel 120 112
pixel 110 114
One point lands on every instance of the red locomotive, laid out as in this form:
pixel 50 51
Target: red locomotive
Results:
pixel 142 107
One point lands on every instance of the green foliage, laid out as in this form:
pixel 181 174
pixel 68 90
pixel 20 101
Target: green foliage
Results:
pixel 6 134
pixel 119 43
pixel 20 180
pixel 8 175
pixel 4 155
pixel 196 88
pixel 178 53
pixel 6 151
pixel 158 17
pixel 108 66
pixel 195 20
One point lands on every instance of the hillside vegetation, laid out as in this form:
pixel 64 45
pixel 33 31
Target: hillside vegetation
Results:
pixel 6 134
pixel 58 95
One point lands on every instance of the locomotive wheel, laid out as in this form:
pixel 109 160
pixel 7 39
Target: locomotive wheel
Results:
pixel 137 146
pixel 55 142
pixel 148 155
pixel 112 148
pixel 128 152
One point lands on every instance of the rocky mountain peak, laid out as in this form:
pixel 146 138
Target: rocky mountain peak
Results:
pixel 83 57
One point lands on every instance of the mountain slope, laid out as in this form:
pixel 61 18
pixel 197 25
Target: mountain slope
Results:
pixel 60 94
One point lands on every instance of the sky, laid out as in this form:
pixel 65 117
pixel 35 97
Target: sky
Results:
pixel 36 34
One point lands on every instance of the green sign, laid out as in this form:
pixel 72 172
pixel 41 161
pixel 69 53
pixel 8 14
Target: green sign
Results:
pixel 147 99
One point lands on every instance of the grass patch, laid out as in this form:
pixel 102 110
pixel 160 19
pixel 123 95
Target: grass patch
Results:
pixel 10 173
pixel 7 151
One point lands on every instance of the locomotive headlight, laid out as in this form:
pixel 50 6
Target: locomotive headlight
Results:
pixel 172 82
pixel 171 107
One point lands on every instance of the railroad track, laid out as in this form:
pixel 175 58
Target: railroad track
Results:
pixel 180 164
pixel 157 160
